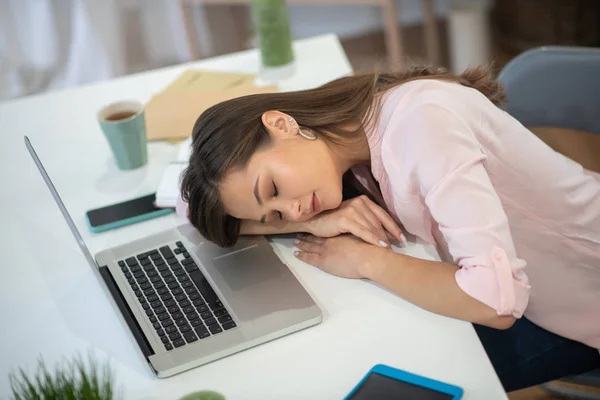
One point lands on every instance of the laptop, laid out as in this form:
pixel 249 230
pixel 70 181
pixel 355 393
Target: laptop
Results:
pixel 188 301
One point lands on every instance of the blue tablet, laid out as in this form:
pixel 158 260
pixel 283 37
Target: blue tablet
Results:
pixel 387 383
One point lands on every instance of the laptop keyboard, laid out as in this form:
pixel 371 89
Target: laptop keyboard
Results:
pixel 177 298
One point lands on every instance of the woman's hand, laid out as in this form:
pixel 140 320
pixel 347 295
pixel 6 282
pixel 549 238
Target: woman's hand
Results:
pixel 346 256
pixel 361 217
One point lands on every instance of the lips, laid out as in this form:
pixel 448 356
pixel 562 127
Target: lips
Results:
pixel 315 205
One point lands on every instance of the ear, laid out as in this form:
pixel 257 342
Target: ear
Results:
pixel 278 124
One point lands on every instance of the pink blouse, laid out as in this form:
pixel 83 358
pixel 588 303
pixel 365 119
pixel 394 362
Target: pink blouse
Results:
pixel 521 220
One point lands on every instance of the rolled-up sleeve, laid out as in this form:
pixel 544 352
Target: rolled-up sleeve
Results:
pixel 448 163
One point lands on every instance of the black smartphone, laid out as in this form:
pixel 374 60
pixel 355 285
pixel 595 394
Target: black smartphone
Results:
pixel 124 213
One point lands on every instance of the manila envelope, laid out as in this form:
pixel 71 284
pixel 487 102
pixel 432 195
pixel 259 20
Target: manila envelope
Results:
pixel 171 114
pixel 209 81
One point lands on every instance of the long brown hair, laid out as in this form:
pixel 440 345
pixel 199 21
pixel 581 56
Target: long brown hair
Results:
pixel 226 135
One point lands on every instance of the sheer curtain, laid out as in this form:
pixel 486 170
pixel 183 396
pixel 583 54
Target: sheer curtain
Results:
pixel 47 45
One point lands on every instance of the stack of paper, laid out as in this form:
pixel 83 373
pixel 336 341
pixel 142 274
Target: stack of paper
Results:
pixel 171 114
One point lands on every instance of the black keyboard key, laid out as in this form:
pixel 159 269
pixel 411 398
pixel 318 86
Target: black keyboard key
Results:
pixel 127 275
pixel 219 312
pixel 190 337
pixel 215 305
pixel 187 261
pixel 173 309
pixel 141 280
pixel 171 329
pixel 167 322
pixel 178 291
pixel 168 346
pixel 124 269
pixel 139 293
pixel 192 315
pixel 196 322
pixel 202 332
pixel 151 272
pixel 185 328
pixel 210 321
pixel 198 302
pixel 159 263
pixel 188 309
pixel 131 281
pixel 229 325
pixel 161 332
pixel 214 329
pixel 175 336
pixel 191 267
pixel 156 325
pixel 181 321
pixel 156 303
pixel 149 312
pixel 206 314
pixel 177 315
pixel 148 267
pixel 141 256
pixel 194 296
pixel 146 306
pixel 173 285
pixel 163 317
pixel 145 286
pixel 160 310
pixel 135 268
pixel 163 291
pixel 165 273
pixel 183 278
pixel 145 262
pixel 179 244
pixel 224 318
pixel 170 279
pixel 184 303
pixel 156 279
pixel 202 284
pixel 181 297
pixel 177 251
pixel 153 319
pixel 169 302
pixel 158 285
pixel 164 339
pixel 142 299
pixel 202 308
pixel 131 261
pixel 186 254
pixel 187 284
pixel 139 274
pixel 152 298
pixel 166 252
pixel 179 343
pixel 179 272
pixel 135 287
pixel 121 263
pixel 155 256
pixel 172 261
pixel 190 290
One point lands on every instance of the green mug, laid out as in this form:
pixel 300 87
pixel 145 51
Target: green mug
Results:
pixel 124 127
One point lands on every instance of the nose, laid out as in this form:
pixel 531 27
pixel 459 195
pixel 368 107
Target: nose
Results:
pixel 294 210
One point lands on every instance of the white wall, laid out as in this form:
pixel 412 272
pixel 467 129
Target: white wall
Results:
pixel 355 20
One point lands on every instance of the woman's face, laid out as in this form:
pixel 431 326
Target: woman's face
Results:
pixel 292 179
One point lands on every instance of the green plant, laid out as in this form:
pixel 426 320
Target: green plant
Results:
pixel 72 381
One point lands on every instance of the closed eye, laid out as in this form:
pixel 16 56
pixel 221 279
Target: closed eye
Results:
pixel 275 191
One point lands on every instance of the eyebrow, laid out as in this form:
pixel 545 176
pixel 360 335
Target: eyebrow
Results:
pixel 257 196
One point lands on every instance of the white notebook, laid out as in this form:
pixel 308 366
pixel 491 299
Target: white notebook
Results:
pixel 169 186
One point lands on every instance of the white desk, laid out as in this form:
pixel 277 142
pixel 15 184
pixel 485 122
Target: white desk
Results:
pixel 51 305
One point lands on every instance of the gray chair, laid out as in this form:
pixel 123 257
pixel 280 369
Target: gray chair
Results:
pixel 557 86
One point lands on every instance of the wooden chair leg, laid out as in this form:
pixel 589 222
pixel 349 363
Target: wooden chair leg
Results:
pixel 190 32
pixel 432 39
pixel 393 36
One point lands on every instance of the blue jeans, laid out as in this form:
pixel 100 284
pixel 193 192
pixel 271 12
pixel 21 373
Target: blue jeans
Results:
pixel 526 355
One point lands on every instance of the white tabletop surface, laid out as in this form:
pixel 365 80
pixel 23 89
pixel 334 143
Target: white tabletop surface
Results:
pixel 51 305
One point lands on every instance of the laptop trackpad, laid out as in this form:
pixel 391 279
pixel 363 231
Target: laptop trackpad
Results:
pixel 247 267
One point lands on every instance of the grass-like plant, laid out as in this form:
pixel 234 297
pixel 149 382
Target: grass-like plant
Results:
pixel 73 380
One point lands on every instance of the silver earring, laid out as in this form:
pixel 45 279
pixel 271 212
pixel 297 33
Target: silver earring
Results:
pixel 305 136
pixel 292 122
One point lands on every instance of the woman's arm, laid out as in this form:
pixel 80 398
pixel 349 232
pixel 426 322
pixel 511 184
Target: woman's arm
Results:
pixel 432 286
